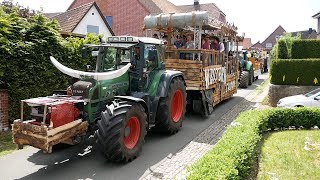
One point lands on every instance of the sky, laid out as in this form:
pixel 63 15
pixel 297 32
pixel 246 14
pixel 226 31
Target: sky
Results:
pixel 256 18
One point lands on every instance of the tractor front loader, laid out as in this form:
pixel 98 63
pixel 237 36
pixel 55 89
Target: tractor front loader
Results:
pixel 129 92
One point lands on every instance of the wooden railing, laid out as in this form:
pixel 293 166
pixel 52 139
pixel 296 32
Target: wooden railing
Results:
pixel 207 57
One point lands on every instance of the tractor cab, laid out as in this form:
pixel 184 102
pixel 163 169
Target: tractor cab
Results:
pixel 145 56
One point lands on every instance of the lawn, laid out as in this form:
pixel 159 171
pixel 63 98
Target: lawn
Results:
pixel 6 144
pixel 290 155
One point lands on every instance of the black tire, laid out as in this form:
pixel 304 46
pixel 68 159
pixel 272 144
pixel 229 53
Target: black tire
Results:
pixel 251 76
pixel 169 118
pixel 244 79
pixel 113 127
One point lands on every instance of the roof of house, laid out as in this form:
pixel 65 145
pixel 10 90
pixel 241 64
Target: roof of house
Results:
pixel 245 43
pixel 257 45
pixel 307 34
pixel 164 6
pixel 316 16
pixel 272 37
pixel 70 19
pixel 159 6
pixel 50 15
pixel 211 8
pixel 77 3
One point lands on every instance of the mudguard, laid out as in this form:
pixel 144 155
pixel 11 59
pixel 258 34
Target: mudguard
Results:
pixel 165 81
pixel 135 99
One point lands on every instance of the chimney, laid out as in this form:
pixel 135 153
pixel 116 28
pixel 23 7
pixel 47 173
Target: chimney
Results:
pixel 196 2
pixel 310 30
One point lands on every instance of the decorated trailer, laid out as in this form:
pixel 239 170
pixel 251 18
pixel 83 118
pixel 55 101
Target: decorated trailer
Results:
pixel 211 76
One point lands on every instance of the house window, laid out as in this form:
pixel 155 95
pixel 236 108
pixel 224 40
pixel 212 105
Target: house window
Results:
pixel 109 20
pixel 92 29
pixel 269 45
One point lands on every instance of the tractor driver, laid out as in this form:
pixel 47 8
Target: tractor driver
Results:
pixel 136 57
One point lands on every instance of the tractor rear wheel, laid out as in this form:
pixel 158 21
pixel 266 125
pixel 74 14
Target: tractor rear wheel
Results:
pixel 121 133
pixel 172 108
pixel 244 79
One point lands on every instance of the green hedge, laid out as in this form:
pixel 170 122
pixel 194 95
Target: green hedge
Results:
pixel 232 157
pixel 282 50
pixel 304 72
pixel 27 39
pixel 304 49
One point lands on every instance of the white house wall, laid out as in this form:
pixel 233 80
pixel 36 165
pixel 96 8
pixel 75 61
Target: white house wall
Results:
pixel 92 18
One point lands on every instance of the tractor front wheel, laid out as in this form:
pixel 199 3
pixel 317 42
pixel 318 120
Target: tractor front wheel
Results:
pixel 121 133
pixel 172 108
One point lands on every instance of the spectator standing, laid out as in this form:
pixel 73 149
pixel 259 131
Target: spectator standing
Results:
pixel 221 45
pixel 178 43
pixel 189 45
pixel 206 42
pixel 215 44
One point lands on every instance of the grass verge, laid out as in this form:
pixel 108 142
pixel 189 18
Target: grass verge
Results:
pixel 233 157
pixel 6 144
pixel 290 155
pixel 263 85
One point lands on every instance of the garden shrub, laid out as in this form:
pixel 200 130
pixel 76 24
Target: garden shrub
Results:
pixel 232 157
pixel 27 41
pixel 304 72
pixel 282 50
pixel 304 49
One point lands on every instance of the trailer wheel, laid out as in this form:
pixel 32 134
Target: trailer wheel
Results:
pixel 172 108
pixel 121 134
pixel 244 79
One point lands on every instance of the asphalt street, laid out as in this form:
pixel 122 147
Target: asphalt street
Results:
pixel 86 162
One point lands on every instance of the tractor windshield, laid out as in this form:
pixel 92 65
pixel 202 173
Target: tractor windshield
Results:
pixel 115 58
pixel 111 56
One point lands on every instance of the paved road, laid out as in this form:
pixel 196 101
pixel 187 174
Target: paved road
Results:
pixel 83 162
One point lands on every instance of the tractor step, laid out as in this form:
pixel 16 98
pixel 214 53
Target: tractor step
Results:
pixel 40 136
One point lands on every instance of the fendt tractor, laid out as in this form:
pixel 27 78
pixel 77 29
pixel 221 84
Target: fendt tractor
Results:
pixel 129 92
pixel 250 69
pixel 211 76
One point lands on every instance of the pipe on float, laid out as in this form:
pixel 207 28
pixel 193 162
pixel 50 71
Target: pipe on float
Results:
pixel 177 20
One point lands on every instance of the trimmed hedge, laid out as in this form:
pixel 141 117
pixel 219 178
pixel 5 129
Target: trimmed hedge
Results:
pixel 282 50
pixel 232 157
pixel 27 39
pixel 304 72
pixel 304 49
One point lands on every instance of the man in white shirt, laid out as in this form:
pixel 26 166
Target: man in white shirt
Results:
pixel 221 46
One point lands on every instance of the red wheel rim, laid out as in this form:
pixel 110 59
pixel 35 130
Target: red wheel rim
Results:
pixel 177 106
pixel 132 133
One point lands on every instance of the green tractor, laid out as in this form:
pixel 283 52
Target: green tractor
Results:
pixel 128 93
pixel 246 77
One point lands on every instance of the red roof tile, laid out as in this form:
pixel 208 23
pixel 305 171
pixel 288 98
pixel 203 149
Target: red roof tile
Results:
pixel 159 6
pixel 246 43
pixel 69 20
pixel 211 8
